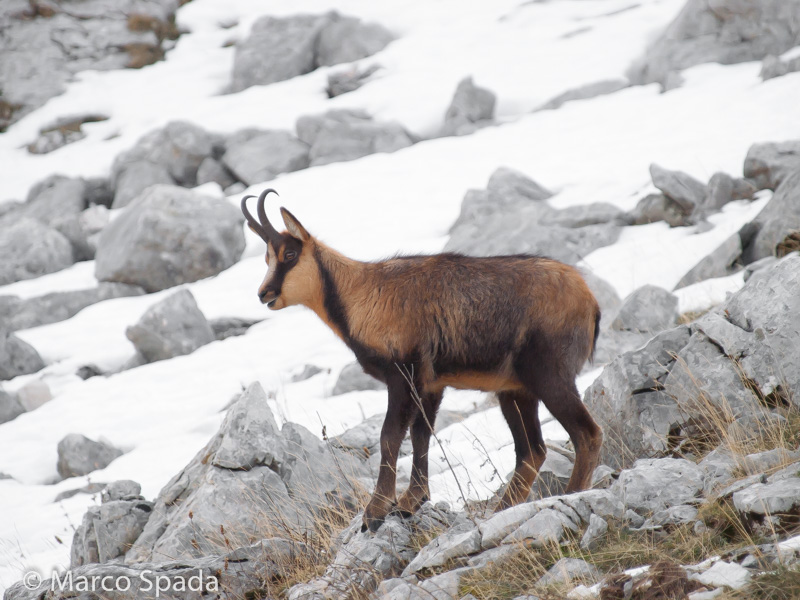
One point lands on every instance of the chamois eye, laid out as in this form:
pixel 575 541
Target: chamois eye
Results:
pixel 290 255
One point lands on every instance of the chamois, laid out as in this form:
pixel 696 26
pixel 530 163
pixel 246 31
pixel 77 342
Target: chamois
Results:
pixel 521 326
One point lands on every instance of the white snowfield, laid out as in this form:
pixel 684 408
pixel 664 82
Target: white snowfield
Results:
pixel 596 150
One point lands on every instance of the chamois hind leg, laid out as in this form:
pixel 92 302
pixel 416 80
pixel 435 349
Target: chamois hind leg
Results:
pixel 421 431
pixel 564 403
pixel 520 409
pixel 548 369
pixel 399 413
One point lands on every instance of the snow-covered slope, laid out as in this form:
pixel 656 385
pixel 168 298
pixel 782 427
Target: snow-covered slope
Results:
pixel 587 151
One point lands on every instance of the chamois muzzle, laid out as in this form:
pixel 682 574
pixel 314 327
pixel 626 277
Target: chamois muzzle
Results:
pixel 262 226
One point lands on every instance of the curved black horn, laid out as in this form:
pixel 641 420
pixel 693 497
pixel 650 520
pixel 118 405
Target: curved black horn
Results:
pixel 264 228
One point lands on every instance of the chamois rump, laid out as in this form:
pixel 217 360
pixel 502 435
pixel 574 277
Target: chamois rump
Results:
pixel 521 326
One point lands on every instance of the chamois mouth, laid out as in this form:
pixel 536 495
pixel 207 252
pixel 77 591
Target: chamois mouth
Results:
pixel 271 303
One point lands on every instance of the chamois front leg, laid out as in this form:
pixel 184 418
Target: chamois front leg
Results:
pixel 398 416
pixel 421 431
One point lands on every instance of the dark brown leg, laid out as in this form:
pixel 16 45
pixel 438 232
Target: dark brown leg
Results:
pixel 564 403
pixel 520 409
pixel 551 378
pixel 421 431
pixel 399 413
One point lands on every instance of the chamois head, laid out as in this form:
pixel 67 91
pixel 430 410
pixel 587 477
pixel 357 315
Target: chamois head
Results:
pixel 291 270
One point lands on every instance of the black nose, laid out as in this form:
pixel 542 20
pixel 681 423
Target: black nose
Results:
pixel 262 293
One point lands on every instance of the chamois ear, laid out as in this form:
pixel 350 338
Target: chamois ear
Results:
pixel 293 226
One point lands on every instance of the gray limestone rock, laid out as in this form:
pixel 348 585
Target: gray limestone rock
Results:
pixel 683 189
pixel 19 259
pixel 471 107
pixel 169 236
pixel 78 455
pixel 768 164
pixel 254 155
pixel 649 308
pixel 346 39
pixel 723 31
pixel 341 135
pixel 277 49
pixel 17 357
pixel 172 327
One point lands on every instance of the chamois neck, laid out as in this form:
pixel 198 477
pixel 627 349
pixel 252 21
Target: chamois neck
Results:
pixel 340 277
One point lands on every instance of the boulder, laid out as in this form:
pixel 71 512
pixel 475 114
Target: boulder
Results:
pixel 10 407
pixel 353 379
pixel 59 306
pixel 723 31
pixel 347 39
pixel 172 327
pixel 471 108
pixel 255 155
pixel 649 308
pixel 518 232
pixel 722 188
pixel 169 236
pixel 277 49
pixel 769 163
pixel 20 259
pixel 109 530
pixel 679 187
pixel 658 207
pixel 172 154
pixel 17 357
pixel 345 134
pixel 252 476
pixel 78 455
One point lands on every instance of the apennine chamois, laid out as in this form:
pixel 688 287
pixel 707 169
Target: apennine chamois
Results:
pixel 521 326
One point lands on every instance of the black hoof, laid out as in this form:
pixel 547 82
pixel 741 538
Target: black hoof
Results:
pixel 363 527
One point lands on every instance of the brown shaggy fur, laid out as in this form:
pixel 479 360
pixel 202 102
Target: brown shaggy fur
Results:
pixel 522 326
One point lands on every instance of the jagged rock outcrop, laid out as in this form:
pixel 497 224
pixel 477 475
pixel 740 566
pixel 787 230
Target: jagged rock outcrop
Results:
pixel 257 479
pixel 168 236
pixel 723 371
